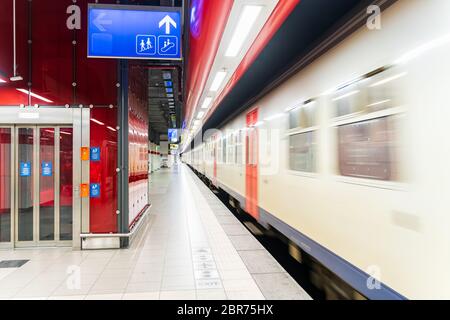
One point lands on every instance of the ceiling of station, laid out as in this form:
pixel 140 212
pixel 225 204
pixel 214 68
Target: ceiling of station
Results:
pixel 164 86
pixel 164 97
pixel 162 3
pixel 309 23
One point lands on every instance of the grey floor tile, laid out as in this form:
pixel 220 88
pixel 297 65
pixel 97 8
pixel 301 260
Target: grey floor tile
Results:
pixel 260 261
pixel 280 286
pixel 228 220
pixel 234 230
pixel 245 242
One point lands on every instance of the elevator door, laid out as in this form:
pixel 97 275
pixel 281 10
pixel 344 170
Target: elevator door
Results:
pixel 43 166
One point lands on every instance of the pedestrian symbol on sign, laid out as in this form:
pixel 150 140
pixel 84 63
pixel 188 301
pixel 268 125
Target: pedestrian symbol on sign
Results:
pixel 146 45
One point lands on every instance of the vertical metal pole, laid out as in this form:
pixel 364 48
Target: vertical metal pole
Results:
pixel 14 40
pixel 77 213
pixel 123 195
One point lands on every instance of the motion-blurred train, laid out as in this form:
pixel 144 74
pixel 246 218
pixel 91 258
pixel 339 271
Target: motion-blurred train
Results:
pixel 349 158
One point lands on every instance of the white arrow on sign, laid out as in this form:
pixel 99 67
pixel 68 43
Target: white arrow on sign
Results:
pixel 167 21
pixel 98 22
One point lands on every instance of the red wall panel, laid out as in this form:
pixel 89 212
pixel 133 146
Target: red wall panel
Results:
pixel 8 93
pixel 55 60
pixel 96 78
pixel 138 141
pixel 52 61
pixel 103 217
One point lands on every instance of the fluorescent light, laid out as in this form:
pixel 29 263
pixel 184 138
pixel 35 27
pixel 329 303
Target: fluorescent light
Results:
pixel 272 117
pixel 111 128
pixel 384 81
pixel 206 103
pixel 200 115
pixel 436 43
pixel 246 21
pixel 346 95
pixel 98 122
pixel 34 95
pixel 29 115
pixel 2 81
pixel 218 79
pixel 379 102
pixel 259 123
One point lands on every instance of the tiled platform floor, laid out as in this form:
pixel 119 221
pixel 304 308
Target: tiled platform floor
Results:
pixel 191 248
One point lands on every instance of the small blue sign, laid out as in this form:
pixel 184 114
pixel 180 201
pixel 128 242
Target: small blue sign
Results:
pixel 95 190
pixel 25 169
pixel 47 169
pixel 134 32
pixel 173 135
pixel 95 153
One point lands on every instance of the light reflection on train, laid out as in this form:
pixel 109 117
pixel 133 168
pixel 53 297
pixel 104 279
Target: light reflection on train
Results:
pixel 356 176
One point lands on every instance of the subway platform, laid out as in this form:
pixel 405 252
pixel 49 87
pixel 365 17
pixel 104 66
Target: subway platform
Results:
pixel 192 247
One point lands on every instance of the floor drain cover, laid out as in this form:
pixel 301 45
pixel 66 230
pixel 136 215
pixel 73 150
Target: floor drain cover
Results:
pixel 12 263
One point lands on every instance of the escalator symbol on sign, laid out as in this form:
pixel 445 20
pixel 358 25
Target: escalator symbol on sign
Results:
pixel 167 45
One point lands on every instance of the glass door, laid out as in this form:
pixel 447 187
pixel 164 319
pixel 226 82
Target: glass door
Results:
pixel 6 178
pixel 44 186
pixel 25 186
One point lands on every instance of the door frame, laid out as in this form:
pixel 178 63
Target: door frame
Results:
pixel 57 116
pixel 5 245
pixel 251 164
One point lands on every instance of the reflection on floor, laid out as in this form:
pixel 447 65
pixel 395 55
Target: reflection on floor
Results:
pixel 192 248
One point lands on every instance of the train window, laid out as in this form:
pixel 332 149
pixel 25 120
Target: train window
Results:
pixel 348 100
pixel 302 152
pixel 230 150
pixel 238 152
pixel 383 90
pixel 224 150
pixel 365 149
pixel 303 116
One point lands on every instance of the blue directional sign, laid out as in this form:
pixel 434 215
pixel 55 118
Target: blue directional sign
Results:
pixel 25 169
pixel 47 169
pixel 134 32
pixel 95 153
pixel 94 191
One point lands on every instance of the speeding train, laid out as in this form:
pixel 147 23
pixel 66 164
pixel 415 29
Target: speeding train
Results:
pixel 349 159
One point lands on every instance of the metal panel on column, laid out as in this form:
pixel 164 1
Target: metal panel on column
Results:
pixel 85 169
pixel 76 218
pixel 123 197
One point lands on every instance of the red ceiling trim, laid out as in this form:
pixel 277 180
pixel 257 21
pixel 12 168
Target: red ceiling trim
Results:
pixel 208 22
pixel 279 15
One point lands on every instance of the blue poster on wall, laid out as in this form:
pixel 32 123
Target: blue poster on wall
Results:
pixel 95 190
pixel 95 153
pixel 134 32
pixel 47 169
pixel 25 169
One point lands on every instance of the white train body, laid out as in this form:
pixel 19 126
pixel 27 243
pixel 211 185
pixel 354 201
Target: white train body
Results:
pixel 364 170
